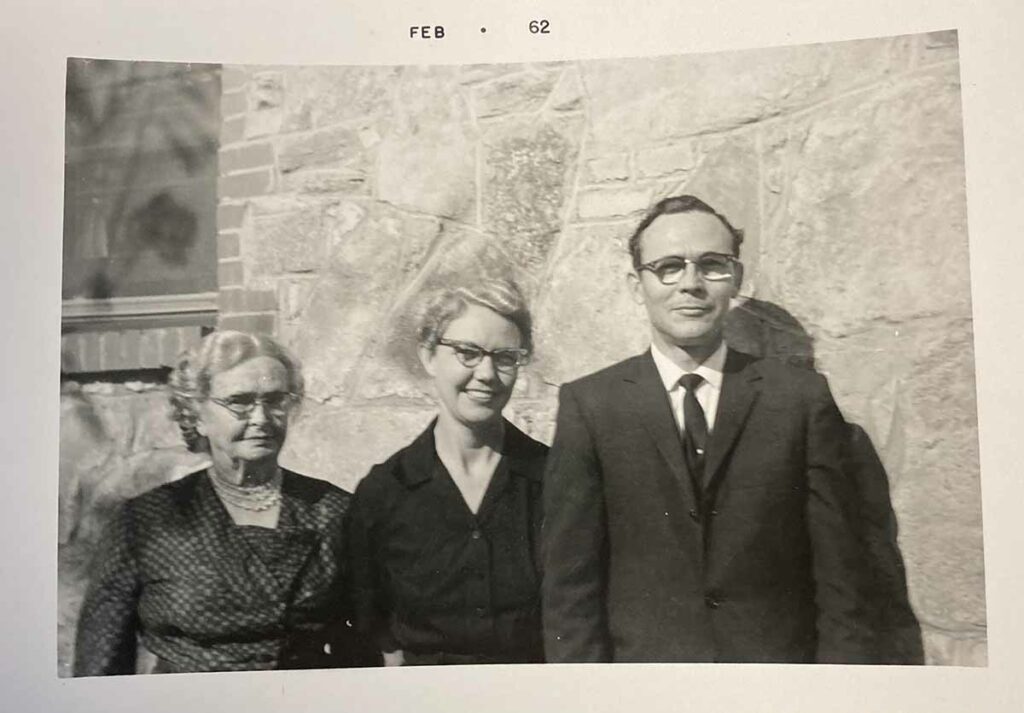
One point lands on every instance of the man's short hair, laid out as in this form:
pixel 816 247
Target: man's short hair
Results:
pixel 680 204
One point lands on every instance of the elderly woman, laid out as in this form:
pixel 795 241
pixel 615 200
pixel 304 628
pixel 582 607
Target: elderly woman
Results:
pixel 444 534
pixel 237 567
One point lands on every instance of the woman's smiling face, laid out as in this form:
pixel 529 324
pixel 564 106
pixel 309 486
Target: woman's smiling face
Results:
pixel 478 394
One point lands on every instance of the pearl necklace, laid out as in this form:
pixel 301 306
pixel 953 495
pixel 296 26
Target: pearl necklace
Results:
pixel 255 498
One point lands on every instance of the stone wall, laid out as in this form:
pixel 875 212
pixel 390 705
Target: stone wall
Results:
pixel 346 191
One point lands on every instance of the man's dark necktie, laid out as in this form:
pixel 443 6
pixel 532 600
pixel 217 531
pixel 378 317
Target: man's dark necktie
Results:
pixel 695 426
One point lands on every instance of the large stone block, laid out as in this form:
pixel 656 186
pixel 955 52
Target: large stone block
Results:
pixel 866 208
pixel 513 94
pixel 294 241
pixel 428 101
pixel 345 182
pixel 334 146
pixel 640 101
pixel 529 169
pixel 293 293
pixel 568 94
pixel 603 169
pixel 372 254
pixel 585 318
pixel 431 172
pixel 426 154
pixel 341 444
pixel 609 203
pixel 316 97
pixel 663 161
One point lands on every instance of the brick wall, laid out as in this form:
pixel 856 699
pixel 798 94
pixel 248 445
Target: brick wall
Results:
pixel 247 170
pixel 125 349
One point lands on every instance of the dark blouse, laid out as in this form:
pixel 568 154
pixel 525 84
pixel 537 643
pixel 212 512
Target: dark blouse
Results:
pixel 204 594
pixel 433 579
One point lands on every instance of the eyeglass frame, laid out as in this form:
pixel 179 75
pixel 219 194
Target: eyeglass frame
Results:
pixel 653 264
pixel 288 402
pixel 523 355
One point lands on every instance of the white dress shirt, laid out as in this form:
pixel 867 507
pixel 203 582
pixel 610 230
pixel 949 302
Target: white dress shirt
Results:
pixel 707 392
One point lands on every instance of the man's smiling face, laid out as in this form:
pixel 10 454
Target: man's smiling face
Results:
pixel 692 312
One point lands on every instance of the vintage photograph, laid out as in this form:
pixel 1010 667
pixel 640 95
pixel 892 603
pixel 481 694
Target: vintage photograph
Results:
pixel 661 359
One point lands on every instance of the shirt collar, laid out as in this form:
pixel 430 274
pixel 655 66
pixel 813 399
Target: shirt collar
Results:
pixel 710 369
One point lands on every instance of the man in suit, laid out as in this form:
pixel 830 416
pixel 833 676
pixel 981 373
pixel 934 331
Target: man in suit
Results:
pixel 697 507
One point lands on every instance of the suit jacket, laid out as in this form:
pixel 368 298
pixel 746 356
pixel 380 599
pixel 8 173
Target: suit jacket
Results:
pixel 642 564
pixel 206 595
pixel 434 579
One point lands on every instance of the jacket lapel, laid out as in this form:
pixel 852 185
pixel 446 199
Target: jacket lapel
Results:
pixel 648 402
pixel 739 392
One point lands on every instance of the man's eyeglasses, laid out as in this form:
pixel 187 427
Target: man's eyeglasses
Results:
pixel 275 403
pixel 714 267
pixel 470 355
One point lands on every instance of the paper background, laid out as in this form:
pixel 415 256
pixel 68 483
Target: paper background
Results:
pixel 41 36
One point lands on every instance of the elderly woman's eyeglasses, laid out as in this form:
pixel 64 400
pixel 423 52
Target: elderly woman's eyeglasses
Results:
pixel 713 267
pixel 275 403
pixel 470 355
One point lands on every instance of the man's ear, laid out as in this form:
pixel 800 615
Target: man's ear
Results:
pixel 426 355
pixel 636 289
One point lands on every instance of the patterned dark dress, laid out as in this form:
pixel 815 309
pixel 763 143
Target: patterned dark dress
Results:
pixel 204 594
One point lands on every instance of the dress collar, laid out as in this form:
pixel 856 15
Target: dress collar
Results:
pixel 519 453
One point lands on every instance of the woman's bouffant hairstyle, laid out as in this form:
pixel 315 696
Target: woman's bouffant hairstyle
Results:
pixel 217 352
pixel 499 295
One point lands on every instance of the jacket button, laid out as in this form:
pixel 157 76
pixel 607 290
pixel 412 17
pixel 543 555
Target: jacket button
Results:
pixel 476 534
pixel 712 601
pixel 481 612
pixel 714 513
pixel 694 515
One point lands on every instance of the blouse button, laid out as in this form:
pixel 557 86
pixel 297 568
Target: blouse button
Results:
pixel 477 534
